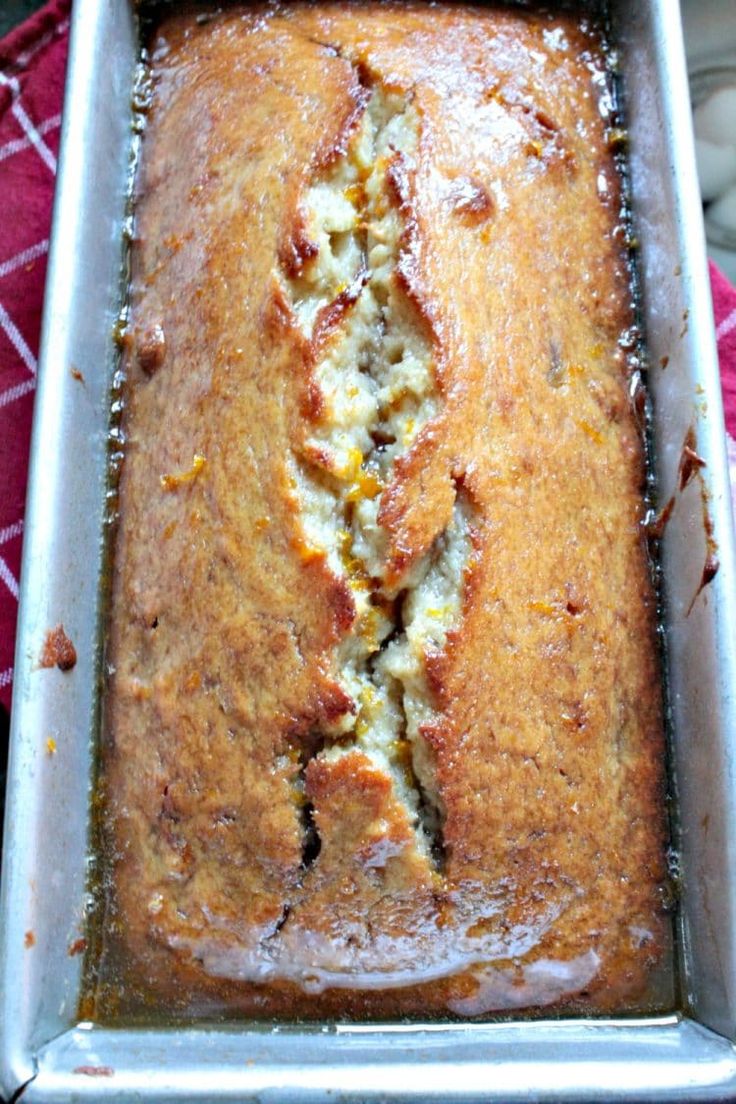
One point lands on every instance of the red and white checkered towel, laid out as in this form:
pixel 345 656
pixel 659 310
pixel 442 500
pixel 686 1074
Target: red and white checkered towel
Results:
pixel 32 64
pixel 724 309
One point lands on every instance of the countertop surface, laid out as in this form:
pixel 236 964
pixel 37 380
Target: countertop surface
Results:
pixel 710 42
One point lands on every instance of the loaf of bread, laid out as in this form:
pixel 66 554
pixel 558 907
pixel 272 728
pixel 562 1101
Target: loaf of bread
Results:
pixel 384 724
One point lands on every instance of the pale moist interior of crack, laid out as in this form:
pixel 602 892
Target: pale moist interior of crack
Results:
pixel 377 386
pixel 376 375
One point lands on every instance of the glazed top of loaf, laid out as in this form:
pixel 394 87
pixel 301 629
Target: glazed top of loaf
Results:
pixel 384 731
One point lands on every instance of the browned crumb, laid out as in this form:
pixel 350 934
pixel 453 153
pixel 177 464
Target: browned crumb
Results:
pixel 151 348
pixel 58 650
pixel 656 527
pixel 690 461
pixel 29 940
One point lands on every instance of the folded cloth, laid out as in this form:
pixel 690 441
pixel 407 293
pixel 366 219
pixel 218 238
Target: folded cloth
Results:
pixel 32 65
pixel 724 310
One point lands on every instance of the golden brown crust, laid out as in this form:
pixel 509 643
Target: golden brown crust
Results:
pixel 546 733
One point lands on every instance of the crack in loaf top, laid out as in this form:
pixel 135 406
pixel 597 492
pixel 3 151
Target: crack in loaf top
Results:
pixel 532 720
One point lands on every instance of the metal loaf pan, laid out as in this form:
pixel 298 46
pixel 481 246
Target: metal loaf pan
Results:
pixel 687 1055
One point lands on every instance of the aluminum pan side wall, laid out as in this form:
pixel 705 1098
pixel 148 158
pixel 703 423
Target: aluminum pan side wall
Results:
pixel 685 386
pixel 513 1063
pixel 46 829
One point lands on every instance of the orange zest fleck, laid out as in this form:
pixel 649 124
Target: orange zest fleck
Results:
pixel 355 194
pixel 593 433
pixel 542 607
pixel 307 553
pixel 172 482
pixel 351 467
pixel 353 567
pixel 366 485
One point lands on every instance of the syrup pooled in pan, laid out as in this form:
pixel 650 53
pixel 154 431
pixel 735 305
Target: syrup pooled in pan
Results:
pixel 383 723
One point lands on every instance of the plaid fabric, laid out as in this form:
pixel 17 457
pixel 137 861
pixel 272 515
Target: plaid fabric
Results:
pixel 724 309
pixel 32 65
